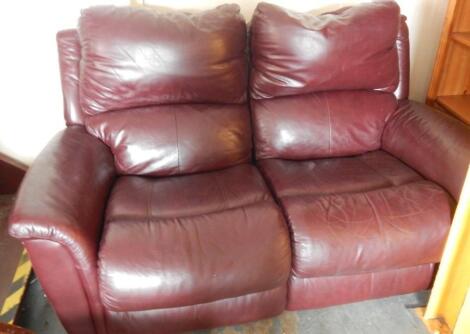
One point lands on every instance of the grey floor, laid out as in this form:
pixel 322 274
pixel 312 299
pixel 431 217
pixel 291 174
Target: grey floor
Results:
pixel 392 315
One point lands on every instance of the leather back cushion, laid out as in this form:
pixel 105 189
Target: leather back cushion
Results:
pixel 327 124
pixel 298 53
pixel 166 89
pixel 136 56
pixel 178 139
pixel 322 86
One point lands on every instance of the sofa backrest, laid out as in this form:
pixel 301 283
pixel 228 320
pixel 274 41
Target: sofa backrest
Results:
pixel 165 90
pixel 324 85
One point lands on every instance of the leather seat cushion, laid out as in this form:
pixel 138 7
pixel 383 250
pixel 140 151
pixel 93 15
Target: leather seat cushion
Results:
pixel 367 171
pixel 359 214
pixel 187 240
pixel 187 195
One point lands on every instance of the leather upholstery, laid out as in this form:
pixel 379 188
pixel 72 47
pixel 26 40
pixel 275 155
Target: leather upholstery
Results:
pixel 62 283
pixel 403 48
pixel 61 202
pixel 201 127
pixel 68 44
pixel 175 139
pixel 69 56
pixel 219 313
pixel 358 216
pixel 361 203
pixel 355 215
pixel 321 52
pixel 161 57
pixel 389 228
pixel 188 195
pixel 369 171
pixel 317 292
pixel 51 204
pixel 320 125
pixel 233 217
pixel 189 235
pixel 415 134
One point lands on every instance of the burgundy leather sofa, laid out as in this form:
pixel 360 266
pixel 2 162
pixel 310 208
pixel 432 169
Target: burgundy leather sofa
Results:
pixel 149 214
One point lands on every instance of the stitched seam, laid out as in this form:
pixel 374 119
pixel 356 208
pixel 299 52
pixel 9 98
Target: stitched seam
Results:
pixel 177 141
pixel 335 193
pixel 329 123
pixel 149 203
pixel 242 206
pixel 302 195
pixel 366 272
pixel 386 177
pixel 222 193
pixel 380 222
pixel 243 295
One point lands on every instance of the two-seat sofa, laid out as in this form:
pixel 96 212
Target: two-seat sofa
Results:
pixel 191 191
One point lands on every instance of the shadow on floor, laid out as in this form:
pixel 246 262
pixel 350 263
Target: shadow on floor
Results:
pixel 10 249
pixel 382 316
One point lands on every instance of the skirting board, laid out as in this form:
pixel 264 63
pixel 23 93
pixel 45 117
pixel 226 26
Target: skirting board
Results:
pixel 11 174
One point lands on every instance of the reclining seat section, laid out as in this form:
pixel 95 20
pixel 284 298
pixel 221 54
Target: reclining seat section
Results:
pixel 191 237
pixel 352 171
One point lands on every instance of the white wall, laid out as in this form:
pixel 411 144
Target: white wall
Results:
pixel 30 93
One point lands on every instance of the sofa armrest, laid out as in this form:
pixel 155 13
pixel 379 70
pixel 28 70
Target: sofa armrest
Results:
pixel 432 142
pixel 63 195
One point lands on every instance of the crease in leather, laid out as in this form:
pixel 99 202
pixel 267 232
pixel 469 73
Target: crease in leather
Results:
pixel 352 192
pixel 187 195
pixel 302 236
pixel 379 172
pixel 279 70
pixel 155 218
pixel 140 67
pixel 379 222
pixel 357 192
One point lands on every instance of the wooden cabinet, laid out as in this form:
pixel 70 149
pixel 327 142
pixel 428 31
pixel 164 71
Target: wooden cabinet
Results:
pixel 449 303
pixel 450 84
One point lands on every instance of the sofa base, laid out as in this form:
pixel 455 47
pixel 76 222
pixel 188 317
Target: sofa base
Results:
pixel 317 292
pixel 224 312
